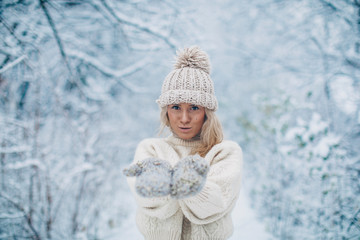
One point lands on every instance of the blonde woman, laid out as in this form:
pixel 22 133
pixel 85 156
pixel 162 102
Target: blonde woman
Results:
pixel 187 184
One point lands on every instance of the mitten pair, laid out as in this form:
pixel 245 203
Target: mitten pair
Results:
pixel 156 177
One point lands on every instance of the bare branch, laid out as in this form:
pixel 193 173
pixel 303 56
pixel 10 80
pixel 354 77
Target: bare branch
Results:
pixel 139 27
pixel 101 11
pixel 55 32
pixel 10 30
pixel 337 10
pixel 354 220
pixel 25 214
pixel 111 72
pixel 106 70
pixel 353 62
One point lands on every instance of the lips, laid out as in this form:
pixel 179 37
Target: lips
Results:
pixel 184 129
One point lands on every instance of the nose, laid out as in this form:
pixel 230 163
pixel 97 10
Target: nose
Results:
pixel 185 117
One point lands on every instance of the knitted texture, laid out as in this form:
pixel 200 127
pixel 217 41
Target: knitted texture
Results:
pixel 189 176
pixel 153 177
pixel 156 178
pixel 204 216
pixel 190 81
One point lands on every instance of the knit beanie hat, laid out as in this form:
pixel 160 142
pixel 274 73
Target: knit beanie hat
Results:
pixel 190 81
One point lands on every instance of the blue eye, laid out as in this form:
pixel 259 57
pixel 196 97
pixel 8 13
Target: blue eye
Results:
pixel 195 108
pixel 175 107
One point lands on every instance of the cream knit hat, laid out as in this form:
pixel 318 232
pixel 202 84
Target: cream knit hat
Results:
pixel 190 81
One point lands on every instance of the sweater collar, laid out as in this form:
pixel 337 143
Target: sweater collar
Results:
pixel 175 140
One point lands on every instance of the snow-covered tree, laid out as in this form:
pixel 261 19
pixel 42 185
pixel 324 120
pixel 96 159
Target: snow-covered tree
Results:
pixel 70 71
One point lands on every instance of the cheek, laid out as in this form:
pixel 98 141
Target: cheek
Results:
pixel 200 119
pixel 171 119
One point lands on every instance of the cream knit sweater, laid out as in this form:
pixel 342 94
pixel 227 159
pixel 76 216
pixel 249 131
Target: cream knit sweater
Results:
pixel 206 216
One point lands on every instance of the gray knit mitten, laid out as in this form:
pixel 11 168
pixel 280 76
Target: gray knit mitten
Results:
pixel 153 177
pixel 189 176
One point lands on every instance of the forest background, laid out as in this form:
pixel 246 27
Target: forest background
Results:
pixel 78 83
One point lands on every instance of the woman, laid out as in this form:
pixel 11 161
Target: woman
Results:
pixel 187 184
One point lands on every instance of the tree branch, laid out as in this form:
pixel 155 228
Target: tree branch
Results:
pixel 56 34
pixel 10 30
pixel 25 215
pixel 12 64
pixel 117 74
pixel 137 26
pixel 354 220
pixel 103 13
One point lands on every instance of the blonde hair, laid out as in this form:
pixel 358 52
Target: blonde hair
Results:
pixel 210 135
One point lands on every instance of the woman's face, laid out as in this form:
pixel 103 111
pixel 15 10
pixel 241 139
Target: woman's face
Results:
pixel 186 119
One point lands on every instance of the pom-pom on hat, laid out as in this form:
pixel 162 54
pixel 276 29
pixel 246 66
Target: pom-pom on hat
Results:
pixel 190 81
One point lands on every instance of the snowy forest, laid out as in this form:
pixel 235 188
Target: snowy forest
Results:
pixel 78 84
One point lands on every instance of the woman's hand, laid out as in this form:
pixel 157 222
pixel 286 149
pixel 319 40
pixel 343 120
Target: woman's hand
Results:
pixel 189 176
pixel 153 177
pixel 156 178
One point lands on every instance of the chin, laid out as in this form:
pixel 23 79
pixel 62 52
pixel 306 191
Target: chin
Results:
pixel 186 137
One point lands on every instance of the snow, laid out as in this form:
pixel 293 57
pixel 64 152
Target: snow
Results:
pixel 246 225
pixel 16 149
pixel 324 146
pixel 129 229
pixel 6 215
pixel 344 94
pixel 105 69
pixel 12 64
pixel 24 164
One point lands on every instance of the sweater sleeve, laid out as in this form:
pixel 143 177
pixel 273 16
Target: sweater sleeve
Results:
pixel 160 207
pixel 222 187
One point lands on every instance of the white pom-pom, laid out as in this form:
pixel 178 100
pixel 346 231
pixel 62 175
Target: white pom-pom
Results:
pixel 193 57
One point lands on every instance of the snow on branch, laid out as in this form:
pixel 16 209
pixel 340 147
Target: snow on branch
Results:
pixel 25 164
pixel 11 216
pixel 76 171
pixel 111 72
pixel 106 70
pixel 12 64
pixel 13 121
pixel 17 149
pixel 138 25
